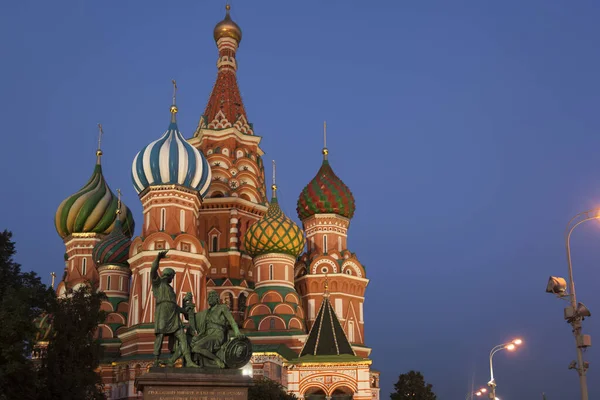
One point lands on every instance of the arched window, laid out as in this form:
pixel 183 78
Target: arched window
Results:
pixel 340 244
pixel 214 246
pixel 270 271
pixel 242 302
pixel 108 283
pixel 84 266
pixel 239 154
pixel 272 323
pixel 182 220
pixel 351 331
pixel 163 219
pixel 324 243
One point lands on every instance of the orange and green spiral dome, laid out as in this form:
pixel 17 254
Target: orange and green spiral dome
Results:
pixel 274 233
pixel 92 209
pixel 326 194
pixel 44 329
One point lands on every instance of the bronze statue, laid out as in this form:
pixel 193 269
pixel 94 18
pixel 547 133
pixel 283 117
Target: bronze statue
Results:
pixel 166 319
pixel 211 338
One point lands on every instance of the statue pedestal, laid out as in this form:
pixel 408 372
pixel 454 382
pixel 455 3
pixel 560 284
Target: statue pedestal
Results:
pixel 193 384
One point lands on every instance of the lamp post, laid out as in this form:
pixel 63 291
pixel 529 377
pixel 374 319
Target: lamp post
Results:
pixel 576 312
pixel 510 346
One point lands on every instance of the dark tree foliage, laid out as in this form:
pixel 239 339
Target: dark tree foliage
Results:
pixel 22 298
pixel 266 389
pixel 69 370
pixel 413 386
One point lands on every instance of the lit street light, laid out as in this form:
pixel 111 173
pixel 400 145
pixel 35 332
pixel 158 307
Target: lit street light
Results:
pixel 510 346
pixel 575 313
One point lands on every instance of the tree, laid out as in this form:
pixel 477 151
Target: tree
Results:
pixel 266 389
pixel 23 297
pixel 69 369
pixel 413 386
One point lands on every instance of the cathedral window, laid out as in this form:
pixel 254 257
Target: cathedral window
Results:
pixel 272 323
pixel 214 245
pixel 182 220
pixel 121 283
pixel 84 266
pixel 270 271
pixel 324 243
pixel 311 308
pixel 239 154
pixel 351 331
pixel 340 244
pixel 163 219
pixel 225 151
pixel 108 283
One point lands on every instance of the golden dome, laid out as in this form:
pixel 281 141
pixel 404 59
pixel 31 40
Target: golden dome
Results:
pixel 228 28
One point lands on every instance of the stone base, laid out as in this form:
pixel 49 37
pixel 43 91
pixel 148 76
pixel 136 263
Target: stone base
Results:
pixel 193 384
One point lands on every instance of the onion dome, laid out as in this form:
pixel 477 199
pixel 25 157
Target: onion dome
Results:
pixel 92 209
pixel 43 325
pixel 325 194
pixel 227 28
pixel 113 249
pixel 171 160
pixel 274 233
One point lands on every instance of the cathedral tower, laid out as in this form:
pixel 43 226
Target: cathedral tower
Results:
pixel 110 255
pixel 82 220
pixel 170 176
pixel 325 207
pixel 274 242
pixel 237 195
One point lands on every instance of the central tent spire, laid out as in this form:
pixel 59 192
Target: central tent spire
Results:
pixel 225 108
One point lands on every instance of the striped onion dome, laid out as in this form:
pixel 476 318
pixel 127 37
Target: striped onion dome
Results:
pixel 113 249
pixel 171 160
pixel 325 194
pixel 274 233
pixel 93 209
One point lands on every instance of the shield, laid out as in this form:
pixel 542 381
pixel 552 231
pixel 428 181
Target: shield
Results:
pixel 236 352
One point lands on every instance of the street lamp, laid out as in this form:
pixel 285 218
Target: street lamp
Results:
pixel 510 346
pixel 575 313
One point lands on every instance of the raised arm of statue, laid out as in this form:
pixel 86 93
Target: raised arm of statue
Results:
pixel 154 270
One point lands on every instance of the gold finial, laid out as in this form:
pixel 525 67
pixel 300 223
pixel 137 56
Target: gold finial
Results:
pixel 227 7
pixel 118 201
pixel 99 150
pixel 325 150
pixel 53 275
pixel 274 186
pixel 174 104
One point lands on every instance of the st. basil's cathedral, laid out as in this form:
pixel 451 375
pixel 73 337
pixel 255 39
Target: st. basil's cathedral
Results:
pixel 298 294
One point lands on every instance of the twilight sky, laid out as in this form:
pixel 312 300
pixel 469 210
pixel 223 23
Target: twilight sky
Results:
pixel 468 132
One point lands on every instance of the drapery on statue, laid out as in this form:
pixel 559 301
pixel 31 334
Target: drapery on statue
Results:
pixel 211 342
pixel 166 318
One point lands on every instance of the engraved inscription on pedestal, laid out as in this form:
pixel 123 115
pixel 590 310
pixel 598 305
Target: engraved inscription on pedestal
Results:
pixel 194 393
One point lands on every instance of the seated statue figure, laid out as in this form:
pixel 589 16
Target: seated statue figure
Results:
pixel 214 337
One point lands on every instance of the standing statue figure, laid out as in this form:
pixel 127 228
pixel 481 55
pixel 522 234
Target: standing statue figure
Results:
pixel 166 318
pixel 211 343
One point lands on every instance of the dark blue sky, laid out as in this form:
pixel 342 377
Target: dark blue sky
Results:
pixel 467 130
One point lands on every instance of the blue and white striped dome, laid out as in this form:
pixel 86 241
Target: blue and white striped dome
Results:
pixel 171 160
